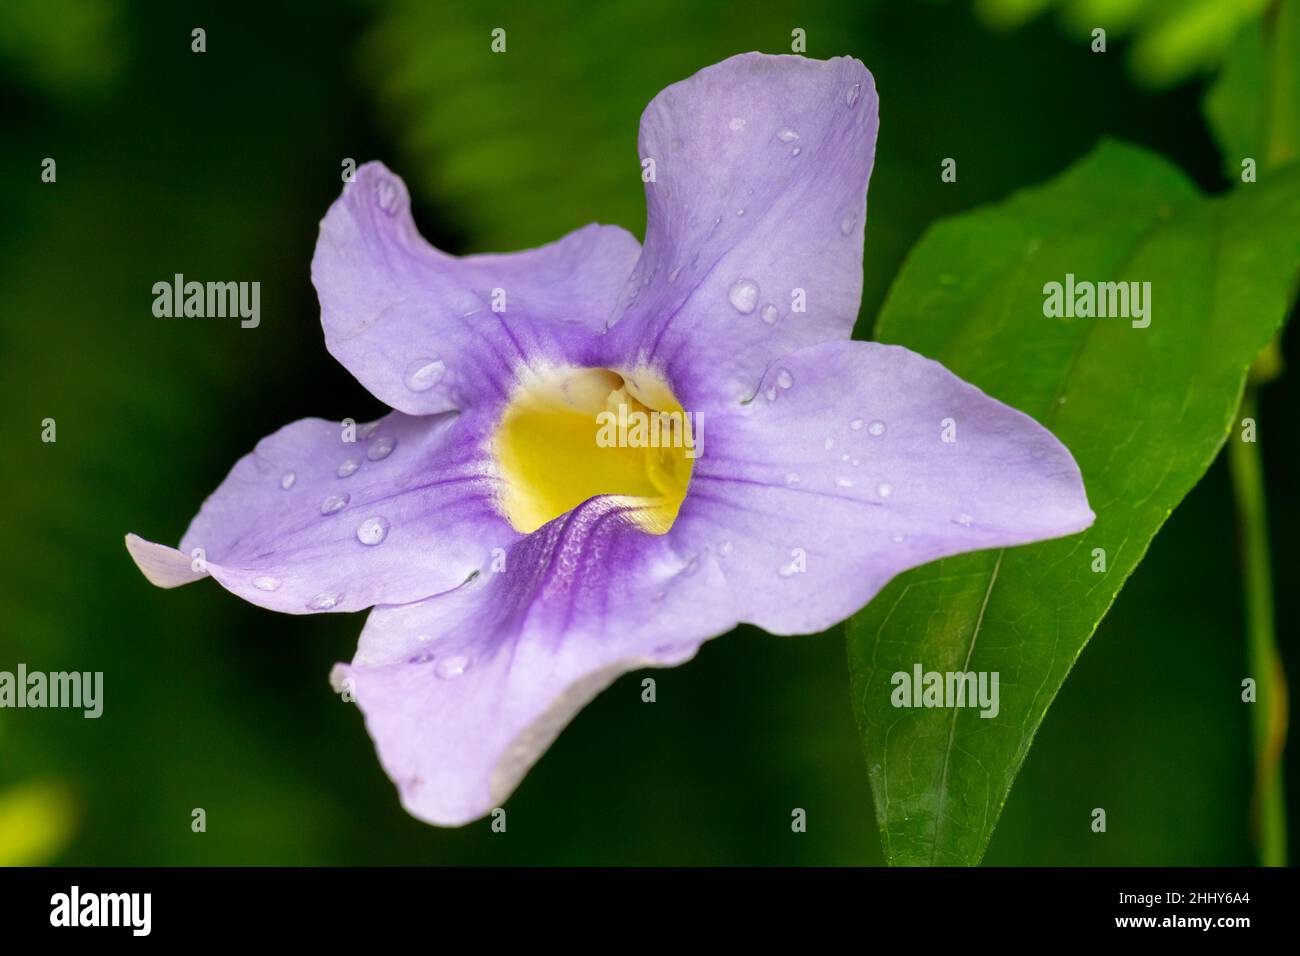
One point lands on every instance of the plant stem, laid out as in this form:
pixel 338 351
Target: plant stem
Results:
pixel 1269 712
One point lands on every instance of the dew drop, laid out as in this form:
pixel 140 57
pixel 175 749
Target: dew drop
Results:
pixel 784 378
pixel 386 195
pixel 885 490
pixel 740 212
pixel 334 504
pixel 744 296
pixel 844 482
pixel 737 124
pixel 451 667
pixel 771 394
pixel 383 447
pixel 796 151
pixel 266 583
pixel 349 467
pixel 672 276
pixel 787 570
pixel 851 97
pixel 844 457
pixel 792 478
pixel 287 480
pixel 372 531
pixel 423 374
pixel 846 225
pixel 769 314
pixel 828 444
pixel 324 601
pixel 787 135
pixel 725 548
pixel 964 520
pixel 856 424
pixel 876 429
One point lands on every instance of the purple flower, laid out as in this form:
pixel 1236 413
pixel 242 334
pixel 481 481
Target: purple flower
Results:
pixel 516 563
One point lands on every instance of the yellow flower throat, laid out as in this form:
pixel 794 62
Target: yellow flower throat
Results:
pixel 569 434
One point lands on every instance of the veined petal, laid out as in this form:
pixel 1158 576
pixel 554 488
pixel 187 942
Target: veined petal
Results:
pixel 463 692
pixel 756 212
pixel 855 462
pixel 427 332
pixel 309 522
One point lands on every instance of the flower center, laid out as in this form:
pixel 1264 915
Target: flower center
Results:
pixel 570 434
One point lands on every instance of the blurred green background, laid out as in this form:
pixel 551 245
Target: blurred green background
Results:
pixel 219 165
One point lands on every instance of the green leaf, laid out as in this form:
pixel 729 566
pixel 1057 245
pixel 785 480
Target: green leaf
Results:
pixel 1253 107
pixel 1144 411
pixel 1172 40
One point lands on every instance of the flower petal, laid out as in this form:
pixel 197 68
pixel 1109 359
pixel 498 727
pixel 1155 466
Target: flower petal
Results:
pixel 309 522
pixel 463 692
pixel 839 476
pixel 418 327
pixel 759 196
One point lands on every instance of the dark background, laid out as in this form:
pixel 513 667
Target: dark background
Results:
pixel 219 165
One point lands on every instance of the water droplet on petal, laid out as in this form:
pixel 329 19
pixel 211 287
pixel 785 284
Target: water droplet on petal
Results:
pixel 784 378
pixel 373 530
pixel 349 466
pixel 897 539
pixel 324 601
pixel 423 374
pixel 844 482
pixel 672 276
pixel 792 478
pixel 383 447
pixel 851 97
pixel 334 504
pixel 744 296
pixel 769 314
pixel 796 151
pixel 786 135
pixel 451 667
pixel 828 444
pixel 266 583
pixel 856 424
pixel 740 212
pixel 737 123
pixel 846 225
pixel 725 548
pixel 787 570
pixel 964 520
pixel 771 394
pixel 386 195
pixel 876 429
pixel 287 480
pixel 885 490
